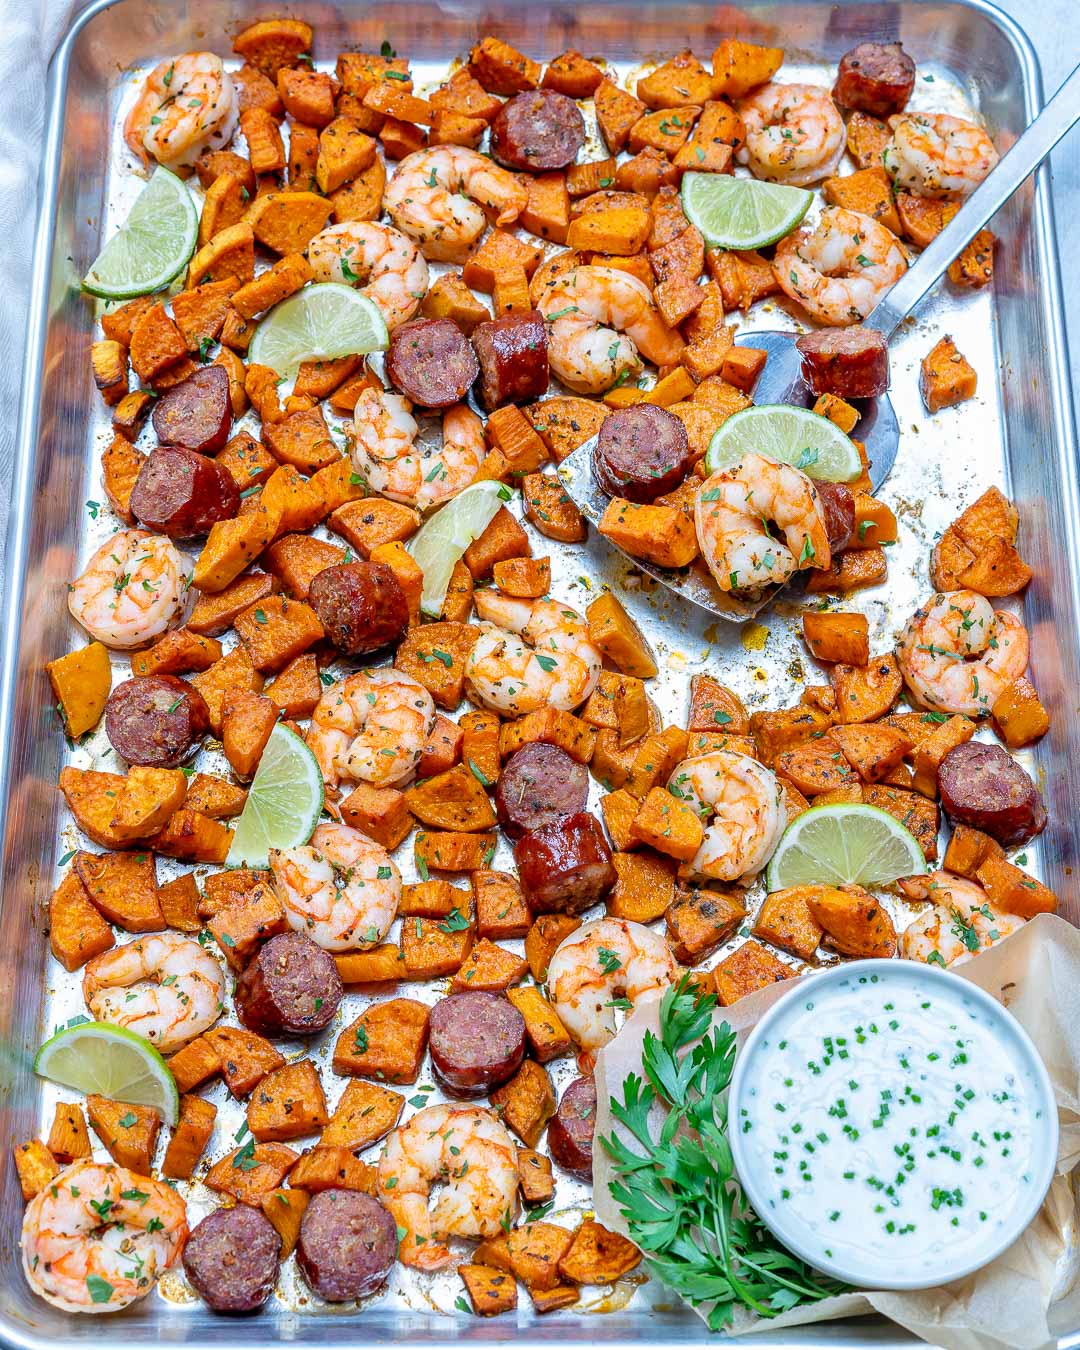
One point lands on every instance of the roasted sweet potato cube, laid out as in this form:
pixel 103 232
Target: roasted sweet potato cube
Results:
pixel 381 813
pixel 35 1166
pixel 663 535
pixel 450 298
pixel 996 570
pixel 535 1250
pixel 911 809
pixel 386 1042
pixel 273 44
pixel 146 802
pixel 365 1113
pixel 572 74
pixel 77 932
pixel 288 1103
pixel 435 654
pixel 453 851
pixel 552 726
pixel 1014 890
pixel 748 968
pixel 91 798
pixel 698 920
pixel 598 1256
pixel 815 766
pixel 433 948
pixel 433 899
pixel 499 253
pixel 501 911
pixel 156 343
pixel 453 800
pixel 503 538
pixel 494 1252
pixel 868 191
pixel 128 1132
pixel 535 1177
pixel 277 630
pixel 179 901
pixel 1019 715
pixel 501 69
pixel 284 1208
pixel 547 932
pixel 946 378
pixel 192 837
pixel 968 849
pixel 247 721
pixel 645 885
pixel 123 887
pixel 548 1038
pixel 620 640
pixel 932 749
pixel 489 968
pixel 189 1138
pixel 345 151
pixel 669 825
pixel 855 922
pixel 785 920
pixel 241 927
pixel 837 637
pixel 873 751
pixel 68 1138
pixel 326 1169
pixel 865 693
pixel 245 1057
pixel 297 689
pixel 490 1291
pixel 250 1171
pixel 379 965
pixel 195 1063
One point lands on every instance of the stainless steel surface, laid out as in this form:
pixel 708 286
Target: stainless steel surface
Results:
pixel 1018 432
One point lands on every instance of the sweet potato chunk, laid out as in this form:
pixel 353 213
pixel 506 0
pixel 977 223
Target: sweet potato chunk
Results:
pixel 619 638
pixel 490 1291
pixel 250 1171
pixel 288 1103
pixel 128 1132
pixel 865 693
pixel 365 1113
pixel 284 1208
pixel 837 637
pixel 325 1169
pixel 748 968
pixel 1013 890
pixel 535 1250
pixel 501 911
pixel 123 887
pixel 435 655
pixel 548 1038
pixel 668 824
pixel 854 921
pixel 35 1166
pixel 189 1138
pixel 698 920
pixel 245 1057
pixel 785 920
pixel 68 1138
pixel 1019 715
pixel 526 1102
pixel 380 965
pixel 547 932
pixel 381 813
pixel 645 882
pixel 81 681
pixel 386 1042
pixel 598 1256
pixel 946 378
pixel 912 810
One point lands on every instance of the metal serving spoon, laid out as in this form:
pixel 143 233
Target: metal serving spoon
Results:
pixel 781 379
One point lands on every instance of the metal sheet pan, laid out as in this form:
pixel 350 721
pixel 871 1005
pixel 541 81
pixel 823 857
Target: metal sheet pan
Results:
pixel 1019 432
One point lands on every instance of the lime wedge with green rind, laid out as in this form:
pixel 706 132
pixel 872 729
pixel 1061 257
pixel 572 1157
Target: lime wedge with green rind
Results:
pixel 320 323
pixel 789 435
pixel 742 212
pixel 152 246
pixel 283 804
pixel 845 844
pixel 445 536
pixel 112 1062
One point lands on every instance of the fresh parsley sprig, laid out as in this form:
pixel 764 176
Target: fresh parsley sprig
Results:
pixel 681 1200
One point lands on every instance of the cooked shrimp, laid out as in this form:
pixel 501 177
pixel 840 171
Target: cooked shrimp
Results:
pixel 742 805
pixel 794 134
pixel 388 266
pixel 938 155
pixel 470 1152
pixel 342 889
pixel 165 987
pixel 530 654
pixel 132 589
pixel 732 512
pixel 840 269
pixel 370 727
pixel 957 654
pixel 959 924
pixel 386 455
pixel 602 967
pixel 188 105
pixel 98 1236
pixel 599 319
pixel 439 198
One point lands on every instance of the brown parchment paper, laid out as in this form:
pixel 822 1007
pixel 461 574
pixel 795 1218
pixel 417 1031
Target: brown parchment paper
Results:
pixel 1031 1293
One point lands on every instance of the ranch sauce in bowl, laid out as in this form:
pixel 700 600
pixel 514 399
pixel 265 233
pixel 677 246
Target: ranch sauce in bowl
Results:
pixel 892 1124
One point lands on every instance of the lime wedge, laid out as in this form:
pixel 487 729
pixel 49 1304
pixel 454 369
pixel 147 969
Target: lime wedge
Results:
pixel 792 436
pixel 742 212
pixel 443 538
pixel 112 1061
pixel 842 844
pixel 283 803
pixel 319 323
pixel 151 246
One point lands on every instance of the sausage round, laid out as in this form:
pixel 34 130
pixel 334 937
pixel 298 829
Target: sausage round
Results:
pixel 570 1129
pixel 539 783
pixel 360 604
pixel 430 361
pixel 182 494
pixel 641 453
pixel 155 720
pixel 232 1259
pixel 875 77
pixel 289 986
pixel 537 131
pixel 838 507
pixel 477 1041
pixel 346 1246
pixel 565 866
pixel 850 362
pixel 982 785
pixel 196 414
pixel 513 355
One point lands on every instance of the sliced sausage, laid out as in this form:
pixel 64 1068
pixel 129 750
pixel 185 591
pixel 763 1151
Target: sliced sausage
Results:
pixel 155 720
pixel 232 1259
pixel 291 986
pixel 360 604
pixel 565 866
pixel 537 131
pixel 982 785
pixel 875 77
pixel 477 1041
pixel 196 414
pixel 513 355
pixel 347 1245
pixel 430 361
pixel 850 362
pixel 570 1129
pixel 838 506
pixel 539 783
pixel 182 494
pixel 641 453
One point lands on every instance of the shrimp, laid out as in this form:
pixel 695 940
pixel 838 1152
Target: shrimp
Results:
pixel 732 511
pixel 98 1236
pixel 439 198
pixel 167 988
pixel 959 924
pixel 342 889
pixel 371 727
pixel 840 269
pixel 469 1150
pixel 386 456
pixel 188 104
pixel 744 806
pixel 387 264
pixel 132 589
pixel 599 319
pixel 555 665
pixel 794 134
pixel 599 966
pixel 938 155
pixel 957 654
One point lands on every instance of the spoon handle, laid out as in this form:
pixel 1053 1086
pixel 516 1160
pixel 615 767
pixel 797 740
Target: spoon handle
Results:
pixel 1058 117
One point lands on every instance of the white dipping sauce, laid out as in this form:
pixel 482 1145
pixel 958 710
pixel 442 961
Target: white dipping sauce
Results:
pixel 892 1124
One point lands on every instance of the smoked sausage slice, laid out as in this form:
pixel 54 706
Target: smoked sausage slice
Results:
pixel 360 604
pixel 838 506
pixel 565 866
pixel 570 1130
pixel 196 414
pixel 983 786
pixel 431 362
pixel 232 1259
pixel 539 783
pixel 513 355
pixel 641 453
pixel 347 1245
pixel 537 131
pixel 182 494
pixel 875 77
pixel 850 362
pixel 155 720
pixel 290 986
pixel 477 1041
